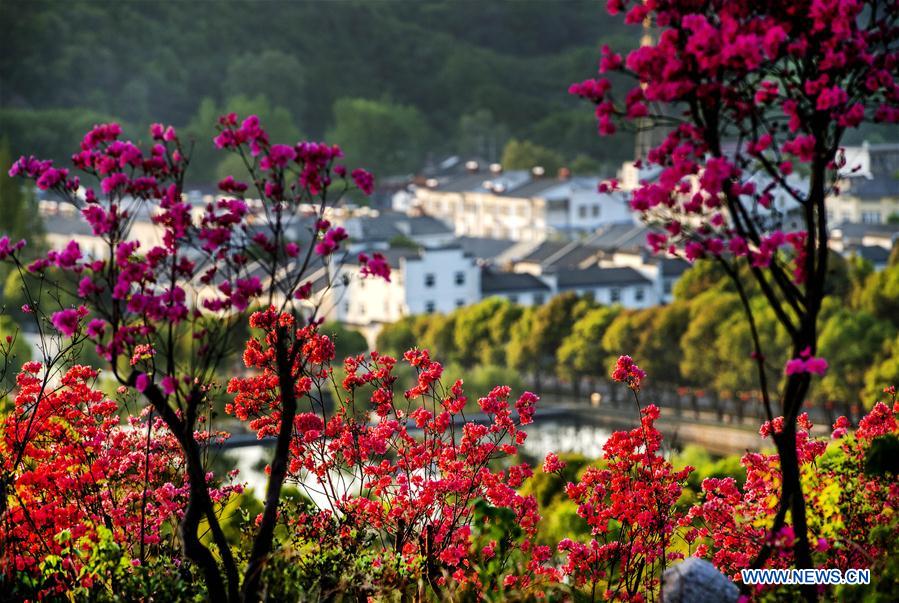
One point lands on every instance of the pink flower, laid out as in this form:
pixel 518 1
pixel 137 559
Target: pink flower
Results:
pixel 279 155
pixel 168 385
pixel 96 328
pixel 552 463
pixel 806 363
pixel 802 147
pixel 230 185
pixel 304 291
pixel 7 248
pixel 626 371
pixel 374 266
pixel 840 428
pixel 66 321
pixel 142 383
pixel 364 180
pixel 331 241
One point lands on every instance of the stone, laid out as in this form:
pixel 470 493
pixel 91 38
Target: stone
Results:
pixel 695 580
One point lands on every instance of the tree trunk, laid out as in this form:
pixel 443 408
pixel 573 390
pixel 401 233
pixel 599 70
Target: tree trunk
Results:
pixel 262 545
pixel 793 498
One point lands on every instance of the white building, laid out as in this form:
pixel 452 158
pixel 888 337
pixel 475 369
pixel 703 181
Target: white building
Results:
pixel 379 229
pixel 422 281
pixel 869 185
pixel 518 288
pixel 607 286
pixel 519 205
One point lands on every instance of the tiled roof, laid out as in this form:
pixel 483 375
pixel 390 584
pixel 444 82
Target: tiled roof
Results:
pixel 621 236
pixel 388 225
pixel 500 282
pixel 595 276
pixel 873 188
pixel 561 254
pixel 873 253
pixel 535 188
pixel 484 248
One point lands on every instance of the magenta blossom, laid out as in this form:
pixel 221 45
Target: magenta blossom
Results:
pixel 806 363
pixel 364 180
pixel 331 241
pixel 627 371
pixel 66 321
pixel 374 266
pixel 7 248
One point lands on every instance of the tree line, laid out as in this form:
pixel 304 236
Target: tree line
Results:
pixel 699 341
pixel 343 75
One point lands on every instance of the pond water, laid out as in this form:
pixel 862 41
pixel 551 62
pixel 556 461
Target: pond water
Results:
pixel 545 437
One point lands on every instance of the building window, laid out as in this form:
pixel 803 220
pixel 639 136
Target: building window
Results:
pixel 638 294
pixel 460 278
pixel 513 299
pixel 595 210
pixel 870 217
pixel 346 307
pixel 429 307
pixel 361 309
pixel 460 303
pixel 430 279
pixel 666 287
pixel 582 211
pixel 538 298
pixel 615 295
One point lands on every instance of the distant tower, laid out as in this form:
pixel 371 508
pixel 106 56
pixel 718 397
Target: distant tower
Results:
pixel 647 136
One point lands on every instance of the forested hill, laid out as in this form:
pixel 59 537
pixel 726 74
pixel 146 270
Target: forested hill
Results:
pixel 440 76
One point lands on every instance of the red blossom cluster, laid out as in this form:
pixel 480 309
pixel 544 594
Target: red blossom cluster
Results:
pixel 846 501
pixel 406 466
pixel 142 304
pixel 629 505
pixel 76 468
pixel 626 371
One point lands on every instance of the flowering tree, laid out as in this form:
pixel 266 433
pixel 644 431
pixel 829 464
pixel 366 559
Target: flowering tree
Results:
pixel 630 506
pixel 79 470
pixel 852 494
pixel 412 477
pixel 416 480
pixel 749 94
pixel 138 304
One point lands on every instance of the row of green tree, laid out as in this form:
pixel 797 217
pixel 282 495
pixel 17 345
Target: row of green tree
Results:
pixel 394 83
pixel 701 340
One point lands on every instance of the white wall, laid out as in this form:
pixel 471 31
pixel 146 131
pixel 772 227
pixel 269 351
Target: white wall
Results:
pixel 440 267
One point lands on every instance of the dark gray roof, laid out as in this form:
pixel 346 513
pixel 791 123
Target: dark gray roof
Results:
pixel 388 225
pixel 502 282
pixel 482 247
pixel 66 224
pixel 393 255
pixel 422 225
pixel 858 230
pixel 544 250
pixel 595 276
pixel 451 166
pixel 519 184
pixel 534 188
pixel 673 266
pixel 570 254
pixel 464 183
pixel 873 253
pixel 620 236
pixel 874 188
